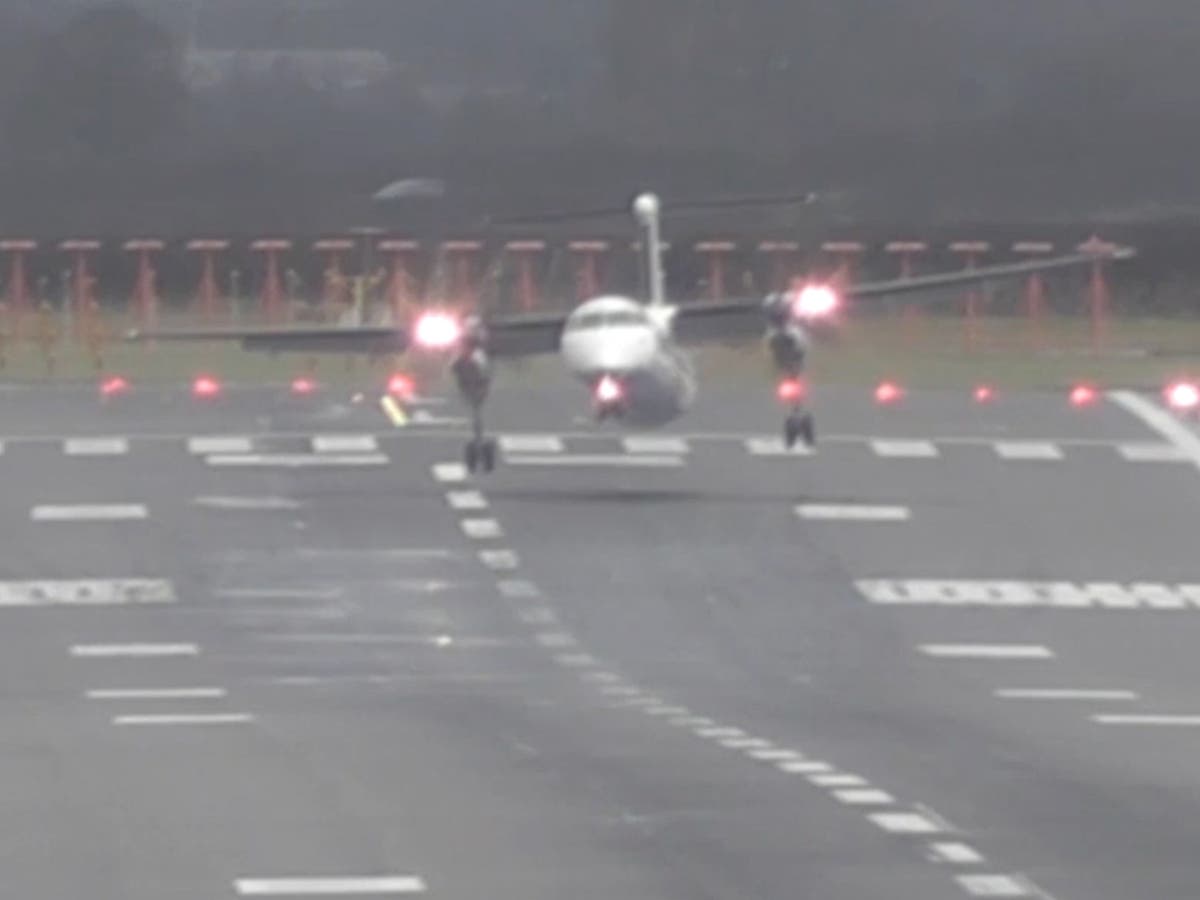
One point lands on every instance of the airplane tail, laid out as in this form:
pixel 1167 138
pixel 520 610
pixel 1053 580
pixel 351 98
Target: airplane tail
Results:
pixel 646 208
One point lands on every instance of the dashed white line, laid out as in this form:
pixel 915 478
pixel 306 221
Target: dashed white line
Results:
pixel 517 588
pixel 838 779
pixel 449 473
pixel 745 743
pixel 190 693
pixel 499 560
pixel 481 529
pixel 602 678
pixel 904 449
pixel 295 460
pixel 666 446
pixel 666 711
pixel 185 719
pixel 537 615
pixel 954 853
pixel 774 754
pixel 600 460
pixel 87 592
pixel 803 767
pixel 1151 720
pixel 773 446
pixel 133 650
pixel 344 443
pixel 1028 450
pixel 466 500
pixel 864 797
pixel 834 513
pixel 1066 595
pixel 575 660
pixel 720 732
pixel 987 651
pixel 555 639
pixel 204 446
pixel 993 886
pixel 1151 453
pixel 248 503
pixel 104 446
pixel 904 823
pixel 106 512
pixel 530 443
pixel 309 887
pixel 1064 694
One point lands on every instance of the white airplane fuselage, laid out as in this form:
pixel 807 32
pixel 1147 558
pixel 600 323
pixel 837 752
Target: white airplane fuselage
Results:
pixel 630 344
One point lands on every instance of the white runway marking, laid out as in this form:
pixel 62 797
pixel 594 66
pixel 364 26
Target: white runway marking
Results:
pixel 1158 419
pixel 987 651
pixel 108 512
pixel 194 693
pixel 538 615
pixel 204 446
pixel 773 446
pixel 670 711
pixel 803 766
pixel 575 660
pixel 838 779
pixel 1028 450
pixel 87 592
pixel 449 473
pixel 864 797
pixel 530 443
pixel 555 639
pixel 851 513
pixel 600 460
pixel 466 500
pixel 106 446
pixel 774 754
pixel 954 853
pixel 185 719
pixel 1063 694
pixel 295 460
pixel 481 529
pixel 1053 594
pixel 904 823
pixel 904 449
pixel 133 650
pixel 1152 453
pixel 344 443
pixel 1157 721
pixel 720 732
pixel 273 593
pixel 500 560
pixel 745 743
pixel 517 588
pixel 247 503
pixel 993 886
pixel 666 446
pixel 312 887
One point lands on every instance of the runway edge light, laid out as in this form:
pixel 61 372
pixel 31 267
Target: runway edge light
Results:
pixel 205 387
pixel 888 392
pixel 1083 395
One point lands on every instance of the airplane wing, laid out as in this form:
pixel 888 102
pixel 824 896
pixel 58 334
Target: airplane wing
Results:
pixel 731 320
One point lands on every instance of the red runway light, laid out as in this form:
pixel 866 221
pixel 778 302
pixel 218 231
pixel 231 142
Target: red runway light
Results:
pixel 401 386
pixel 303 386
pixel 790 390
pixel 113 385
pixel 1083 395
pixel 888 392
pixel 205 387
pixel 984 394
pixel 1183 396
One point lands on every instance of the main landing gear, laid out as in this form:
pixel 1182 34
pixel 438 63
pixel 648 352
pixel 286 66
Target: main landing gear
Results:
pixel 479 455
pixel 799 426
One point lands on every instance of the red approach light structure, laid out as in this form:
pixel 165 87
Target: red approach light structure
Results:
pixel 1035 289
pixel 461 256
pixel 207 293
pixel 587 255
pixel 272 290
pixel 1098 291
pixel 145 291
pixel 18 251
pixel 401 293
pixel 782 255
pixel 526 254
pixel 334 249
pixel 717 252
pixel 907 251
pixel 82 281
pixel 972 251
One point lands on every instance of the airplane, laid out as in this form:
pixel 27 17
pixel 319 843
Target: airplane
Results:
pixel 632 355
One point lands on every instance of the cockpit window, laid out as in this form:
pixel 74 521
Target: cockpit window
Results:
pixel 593 320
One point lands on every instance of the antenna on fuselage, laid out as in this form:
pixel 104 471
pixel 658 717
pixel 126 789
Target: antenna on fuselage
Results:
pixel 646 210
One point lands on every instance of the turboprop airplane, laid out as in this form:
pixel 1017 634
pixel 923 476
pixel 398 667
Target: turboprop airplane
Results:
pixel 631 354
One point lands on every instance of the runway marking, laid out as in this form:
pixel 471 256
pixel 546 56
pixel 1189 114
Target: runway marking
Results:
pixel 110 512
pixel 87 592
pixel 501 560
pixel 194 693
pixel 272 593
pixel 1152 453
pixel 247 503
pixel 393 410
pixel 904 823
pixel 296 460
pixel 516 588
pixel 449 473
pixel 745 743
pixel 205 446
pixel 666 446
pixel 1028 450
pixel 466 500
pixel 851 513
pixel 185 719
pixel 838 779
pixel 600 460
pixel 575 660
pixel 689 721
pixel 1157 721
pixel 133 650
pixel 619 690
pixel 774 754
pixel 803 766
pixel 103 446
pixel 987 651
pixel 530 443
pixel 538 615
pixel 555 639
pixel 1052 594
pixel 1063 694
pixel 954 853
pixel 719 731
pixel 1158 419
pixel 773 446
pixel 311 887
pixel 864 797
pixel 609 678
pixel 344 443
pixel 481 529
pixel 668 711
pixel 993 886
pixel 904 449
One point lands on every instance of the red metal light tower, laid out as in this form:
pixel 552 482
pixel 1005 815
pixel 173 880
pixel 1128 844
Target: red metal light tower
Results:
pixel 783 261
pixel 335 281
pixel 145 294
pixel 526 253
pixel 18 280
pixel 272 290
pixel 1035 291
pixel 208 293
pixel 1099 288
pixel 587 267
pixel 906 250
pixel 461 256
pixel 81 278
pixel 972 250
pixel 400 294
pixel 718 255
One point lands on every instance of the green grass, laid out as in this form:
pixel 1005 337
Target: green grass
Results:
pixel 924 351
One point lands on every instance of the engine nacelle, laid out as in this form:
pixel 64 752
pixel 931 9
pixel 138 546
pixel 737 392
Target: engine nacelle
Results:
pixel 789 347
pixel 473 373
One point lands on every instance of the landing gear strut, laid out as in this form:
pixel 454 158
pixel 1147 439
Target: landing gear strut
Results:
pixel 799 426
pixel 480 452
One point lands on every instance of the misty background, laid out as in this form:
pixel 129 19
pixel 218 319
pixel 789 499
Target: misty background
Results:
pixel 241 116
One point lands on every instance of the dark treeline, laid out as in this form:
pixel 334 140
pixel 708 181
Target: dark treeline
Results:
pixel 123 118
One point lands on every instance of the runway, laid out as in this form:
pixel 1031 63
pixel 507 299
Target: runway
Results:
pixel 276 646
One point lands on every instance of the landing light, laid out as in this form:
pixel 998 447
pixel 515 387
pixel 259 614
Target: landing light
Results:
pixel 888 392
pixel 1083 395
pixel 1183 395
pixel 815 301
pixel 205 386
pixel 608 390
pixel 113 385
pixel 437 331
